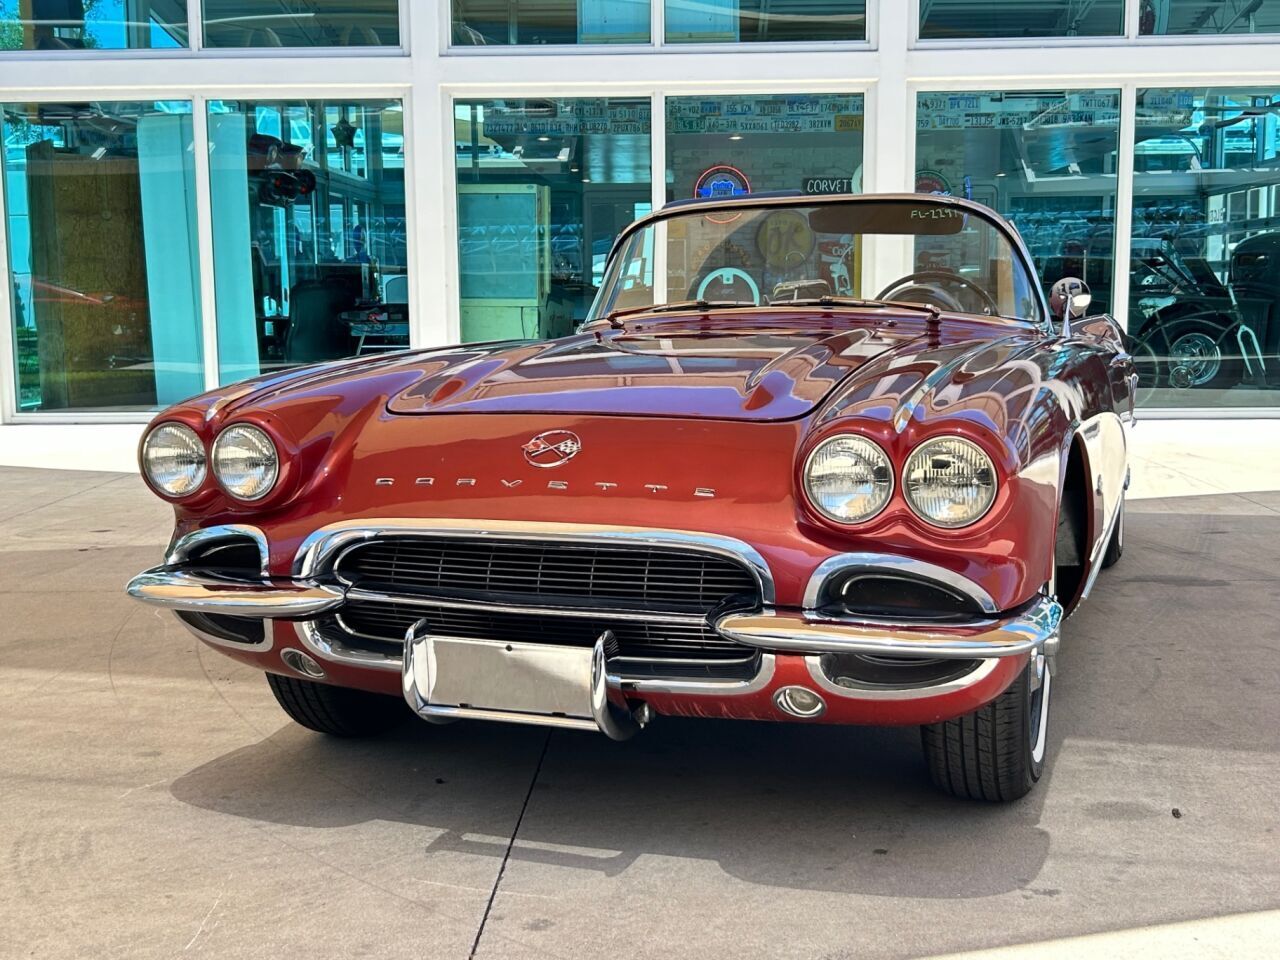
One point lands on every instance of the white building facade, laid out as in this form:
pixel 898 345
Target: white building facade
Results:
pixel 195 192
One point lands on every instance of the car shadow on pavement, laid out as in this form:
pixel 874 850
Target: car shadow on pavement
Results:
pixel 825 808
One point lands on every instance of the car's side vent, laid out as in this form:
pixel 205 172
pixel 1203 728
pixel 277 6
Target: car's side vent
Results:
pixel 891 595
pixel 234 553
pixel 231 629
pixel 236 556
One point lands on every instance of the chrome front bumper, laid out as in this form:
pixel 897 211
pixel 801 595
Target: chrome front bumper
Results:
pixel 196 591
pixel 1034 629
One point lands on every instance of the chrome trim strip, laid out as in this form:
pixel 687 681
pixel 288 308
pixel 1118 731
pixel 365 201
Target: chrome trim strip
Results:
pixel 261 646
pixel 1031 631
pixel 185 545
pixel 309 636
pixel 890 563
pixel 1099 551
pixel 890 692
pixel 377 596
pixel 706 688
pixel 315 553
pixel 338 652
pixel 203 592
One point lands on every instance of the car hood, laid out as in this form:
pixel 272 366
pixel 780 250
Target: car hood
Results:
pixel 723 370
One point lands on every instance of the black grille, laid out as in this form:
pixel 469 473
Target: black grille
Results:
pixel 549 573
pixel 595 578
pixel 643 640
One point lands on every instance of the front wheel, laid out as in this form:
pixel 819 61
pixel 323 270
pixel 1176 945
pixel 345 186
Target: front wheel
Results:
pixel 996 752
pixel 337 711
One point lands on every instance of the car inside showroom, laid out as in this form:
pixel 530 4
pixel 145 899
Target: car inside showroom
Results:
pixel 756 407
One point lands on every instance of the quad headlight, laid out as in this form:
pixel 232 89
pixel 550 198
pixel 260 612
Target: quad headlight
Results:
pixel 245 462
pixel 949 482
pixel 173 459
pixel 848 478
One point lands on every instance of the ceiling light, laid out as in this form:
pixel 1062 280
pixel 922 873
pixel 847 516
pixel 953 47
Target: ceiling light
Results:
pixel 736 136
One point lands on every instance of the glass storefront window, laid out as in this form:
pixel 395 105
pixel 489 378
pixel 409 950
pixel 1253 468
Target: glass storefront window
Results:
pixel 103 254
pixel 309 231
pixel 753 143
pixel 333 23
pixel 517 22
pixel 729 145
pixel 1188 17
pixel 1046 159
pixel 92 24
pixel 762 21
pixel 1204 288
pixel 544 187
pixel 1016 19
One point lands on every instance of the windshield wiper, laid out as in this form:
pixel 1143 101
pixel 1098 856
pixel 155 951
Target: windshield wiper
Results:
pixel 928 308
pixel 677 305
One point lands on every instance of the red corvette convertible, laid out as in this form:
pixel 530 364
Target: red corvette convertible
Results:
pixel 740 490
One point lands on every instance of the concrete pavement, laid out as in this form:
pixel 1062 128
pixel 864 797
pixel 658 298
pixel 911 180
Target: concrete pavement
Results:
pixel 154 801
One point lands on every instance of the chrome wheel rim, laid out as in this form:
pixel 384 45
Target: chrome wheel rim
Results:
pixel 1198 355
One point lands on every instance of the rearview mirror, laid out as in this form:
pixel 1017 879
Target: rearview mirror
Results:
pixel 1069 299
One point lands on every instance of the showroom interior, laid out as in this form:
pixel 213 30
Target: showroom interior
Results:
pixel 199 191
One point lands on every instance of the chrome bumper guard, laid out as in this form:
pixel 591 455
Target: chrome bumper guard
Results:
pixel 194 591
pixel 1033 630
pixel 451 678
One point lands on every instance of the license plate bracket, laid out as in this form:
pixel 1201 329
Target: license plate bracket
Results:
pixel 446 678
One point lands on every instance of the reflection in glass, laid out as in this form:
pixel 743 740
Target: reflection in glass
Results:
pixel 1012 19
pixel 1183 17
pixel 320 23
pixel 544 187
pixel 1045 159
pixel 102 248
pixel 727 145
pixel 1204 289
pixel 92 24
pixel 512 22
pixel 762 21
pixel 309 231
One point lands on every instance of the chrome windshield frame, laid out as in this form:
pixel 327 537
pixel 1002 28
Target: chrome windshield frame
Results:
pixel 749 202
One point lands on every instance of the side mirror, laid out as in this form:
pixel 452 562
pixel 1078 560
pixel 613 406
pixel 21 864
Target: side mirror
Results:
pixel 1069 299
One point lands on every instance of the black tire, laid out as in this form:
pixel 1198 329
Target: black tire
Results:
pixel 337 711
pixel 1115 546
pixel 996 753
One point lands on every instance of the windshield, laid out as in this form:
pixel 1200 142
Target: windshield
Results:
pixel 948 256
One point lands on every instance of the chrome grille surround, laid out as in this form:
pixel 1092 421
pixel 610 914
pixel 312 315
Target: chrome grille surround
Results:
pixel 657 633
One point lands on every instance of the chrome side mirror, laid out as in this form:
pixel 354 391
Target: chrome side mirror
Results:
pixel 1068 300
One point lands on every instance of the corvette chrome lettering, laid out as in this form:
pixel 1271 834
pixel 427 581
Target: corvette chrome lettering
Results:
pixel 511 483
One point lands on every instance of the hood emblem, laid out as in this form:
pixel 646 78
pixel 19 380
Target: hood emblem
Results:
pixel 552 449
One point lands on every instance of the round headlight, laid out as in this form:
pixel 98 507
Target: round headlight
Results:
pixel 245 462
pixel 173 458
pixel 949 482
pixel 848 479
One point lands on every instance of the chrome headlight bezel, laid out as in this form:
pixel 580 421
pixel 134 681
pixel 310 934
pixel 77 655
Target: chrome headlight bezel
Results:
pixel 921 449
pixel 247 435
pixel 197 453
pixel 885 496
